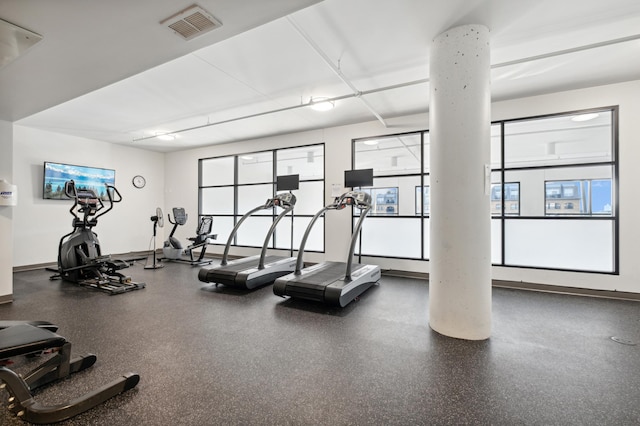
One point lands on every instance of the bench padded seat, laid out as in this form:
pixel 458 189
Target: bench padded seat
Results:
pixel 24 339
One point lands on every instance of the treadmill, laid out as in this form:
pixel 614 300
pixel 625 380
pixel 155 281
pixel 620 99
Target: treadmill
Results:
pixel 252 272
pixel 332 283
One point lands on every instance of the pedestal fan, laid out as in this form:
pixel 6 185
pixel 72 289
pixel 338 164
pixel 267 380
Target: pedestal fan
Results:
pixel 158 221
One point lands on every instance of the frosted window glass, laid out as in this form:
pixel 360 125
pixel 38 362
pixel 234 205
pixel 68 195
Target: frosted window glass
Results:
pixel 216 200
pixel 251 196
pixel 307 162
pixel 397 237
pixel 216 171
pixel 496 241
pixel 255 167
pixel 309 198
pixel 561 244
pixel 427 238
pixel 253 231
pixel 222 226
pixel 315 242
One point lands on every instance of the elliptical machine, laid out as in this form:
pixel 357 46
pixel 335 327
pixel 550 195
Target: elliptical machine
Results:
pixel 172 248
pixel 80 260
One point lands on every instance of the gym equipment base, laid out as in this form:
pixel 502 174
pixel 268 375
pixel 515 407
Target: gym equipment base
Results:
pixel 25 339
pixel 326 283
pixel 115 283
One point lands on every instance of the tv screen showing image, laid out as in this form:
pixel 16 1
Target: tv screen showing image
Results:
pixel 94 178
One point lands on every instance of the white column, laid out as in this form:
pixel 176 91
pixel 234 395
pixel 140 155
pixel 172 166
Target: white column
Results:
pixel 460 240
pixel 6 214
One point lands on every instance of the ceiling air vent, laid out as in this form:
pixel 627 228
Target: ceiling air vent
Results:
pixel 14 41
pixel 191 22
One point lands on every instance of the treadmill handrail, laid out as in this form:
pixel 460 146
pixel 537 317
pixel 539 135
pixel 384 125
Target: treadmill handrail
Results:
pixel 235 230
pixel 299 260
pixel 338 204
pixel 272 229
pixel 281 200
pixel 354 238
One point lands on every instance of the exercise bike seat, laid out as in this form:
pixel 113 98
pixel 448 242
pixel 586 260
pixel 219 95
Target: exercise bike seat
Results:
pixel 24 339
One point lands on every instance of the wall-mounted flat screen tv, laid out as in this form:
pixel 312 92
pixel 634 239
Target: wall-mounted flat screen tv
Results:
pixel 358 178
pixel 287 182
pixel 56 174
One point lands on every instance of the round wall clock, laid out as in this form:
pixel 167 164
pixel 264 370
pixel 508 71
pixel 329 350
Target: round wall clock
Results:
pixel 139 181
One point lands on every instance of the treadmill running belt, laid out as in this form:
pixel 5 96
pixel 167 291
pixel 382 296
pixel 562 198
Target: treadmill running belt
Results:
pixel 244 264
pixel 324 276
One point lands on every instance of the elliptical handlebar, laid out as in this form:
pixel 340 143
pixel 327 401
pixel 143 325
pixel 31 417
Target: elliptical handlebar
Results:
pixel 111 199
pixel 115 191
pixel 70 189
pixel 71 192
pixel 89 205
pixel 92 203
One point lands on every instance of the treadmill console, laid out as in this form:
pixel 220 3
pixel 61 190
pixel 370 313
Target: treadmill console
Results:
pixel 354 198
pixel 284 200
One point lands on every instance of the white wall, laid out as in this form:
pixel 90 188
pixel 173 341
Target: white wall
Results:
pixel 182 179
pixel 6 213
pixel 39 223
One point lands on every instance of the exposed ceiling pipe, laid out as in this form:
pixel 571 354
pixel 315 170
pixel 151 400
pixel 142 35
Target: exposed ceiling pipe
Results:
pixel 396 86
pixel 567 51
pixel 335 69
pixel 289 108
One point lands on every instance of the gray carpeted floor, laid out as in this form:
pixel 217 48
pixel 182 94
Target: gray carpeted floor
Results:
pixel 214 356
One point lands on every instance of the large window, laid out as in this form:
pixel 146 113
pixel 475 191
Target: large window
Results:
pixel 566 165
pixel 231 186
pixel 553 199
pixel 393 228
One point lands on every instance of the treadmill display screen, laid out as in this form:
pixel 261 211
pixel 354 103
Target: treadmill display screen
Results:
pixel 358 178
pixel 287 182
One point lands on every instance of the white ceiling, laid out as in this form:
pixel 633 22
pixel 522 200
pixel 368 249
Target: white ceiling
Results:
pixel 109 71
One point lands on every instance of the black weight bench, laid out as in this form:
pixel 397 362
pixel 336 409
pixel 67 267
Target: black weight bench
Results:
pixel 40 324
pixel 25 339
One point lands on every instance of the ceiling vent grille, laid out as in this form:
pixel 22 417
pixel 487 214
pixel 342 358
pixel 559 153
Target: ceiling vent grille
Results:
pixel 14 41
pixel 191 22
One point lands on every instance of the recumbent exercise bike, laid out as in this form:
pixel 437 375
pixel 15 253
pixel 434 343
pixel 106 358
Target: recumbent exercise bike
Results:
pixel 172 248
